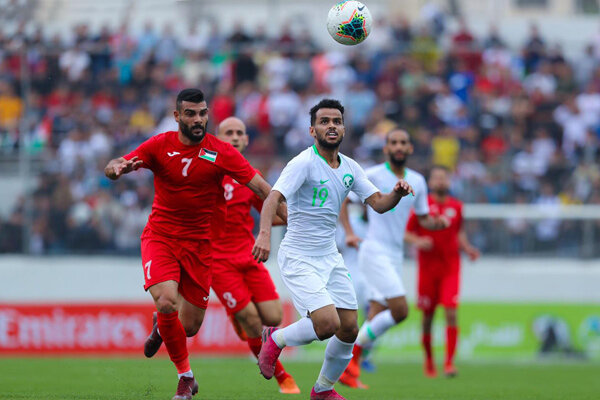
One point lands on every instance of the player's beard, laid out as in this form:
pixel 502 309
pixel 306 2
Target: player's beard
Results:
pixel 329 145
pixel 399 163
pixel 187 132
pixel 441 191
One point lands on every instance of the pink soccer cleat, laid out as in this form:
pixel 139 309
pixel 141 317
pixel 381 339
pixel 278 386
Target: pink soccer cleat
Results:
pixel 326 395
pixel 269 353
pixel 186 388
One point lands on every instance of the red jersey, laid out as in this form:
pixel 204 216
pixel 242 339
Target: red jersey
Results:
pixel 239 239
pixel 446 249
pixel 188 199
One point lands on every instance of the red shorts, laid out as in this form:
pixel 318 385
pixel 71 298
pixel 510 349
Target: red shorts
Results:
pixel 237 282
pixel 437 288
pixel 187 262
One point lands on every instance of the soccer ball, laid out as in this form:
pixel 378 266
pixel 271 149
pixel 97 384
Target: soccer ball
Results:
pixel 349 22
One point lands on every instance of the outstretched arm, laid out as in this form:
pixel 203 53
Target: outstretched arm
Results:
pixel 467 247
pixel 384 202
pixel 262 189
pixel 433 223
pixel 120 166
pixel 420 242
pixel 262 245
pixel 351 239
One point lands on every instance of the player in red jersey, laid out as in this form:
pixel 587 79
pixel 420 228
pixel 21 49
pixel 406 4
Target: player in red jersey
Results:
pixel 187 212
pixel 244 285
pixel 439 265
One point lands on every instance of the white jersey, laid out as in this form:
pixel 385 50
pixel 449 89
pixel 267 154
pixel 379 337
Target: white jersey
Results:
pixel 314 192
pixel 388 229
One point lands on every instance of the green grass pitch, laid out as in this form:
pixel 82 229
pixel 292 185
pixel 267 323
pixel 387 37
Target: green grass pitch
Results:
pixel 235 378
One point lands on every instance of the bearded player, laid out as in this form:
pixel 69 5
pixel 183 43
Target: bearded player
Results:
pixel 439 266
pixel 188 210
pixel 381 253
pixel 315 184
pixel 244 285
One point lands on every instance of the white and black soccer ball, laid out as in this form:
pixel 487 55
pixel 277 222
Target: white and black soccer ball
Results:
pixel 349 22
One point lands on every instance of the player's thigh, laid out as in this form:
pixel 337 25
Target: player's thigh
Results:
pixel 382 270
pixel 375 307
pixel 305 278
pixel 230 287
pixel 339 284
pixel 249 319
pixel 449 288
pixel 398 307
pixel 191 317
pixel 325 321
pixel 271 312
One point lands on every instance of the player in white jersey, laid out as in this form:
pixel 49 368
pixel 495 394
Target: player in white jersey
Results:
pixel 314 184
pixel 381 252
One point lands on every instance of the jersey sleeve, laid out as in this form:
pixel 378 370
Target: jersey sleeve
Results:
pixel 413 223
pixel 421 203
pixel 362 186
pixel 235 165
pixel 144 152
pixel 292 177
pixel 459 219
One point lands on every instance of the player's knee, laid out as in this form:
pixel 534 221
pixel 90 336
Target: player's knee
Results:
pixel 273 318
pixel 349 333
pixel 326 329
pixel 166 304
pixel 399 313
pixel 191 329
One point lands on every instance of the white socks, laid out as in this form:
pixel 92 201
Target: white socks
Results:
pixel 297 334
pixel 188 374
pixel 374 328
pixel 337 357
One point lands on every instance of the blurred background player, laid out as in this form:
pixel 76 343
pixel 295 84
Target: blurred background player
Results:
pixel 315 183
pixel 188 166
pixel 381 252
pixel 439 265
pixel 244 285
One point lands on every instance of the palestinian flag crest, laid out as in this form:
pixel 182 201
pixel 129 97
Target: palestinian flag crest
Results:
pixel 208 155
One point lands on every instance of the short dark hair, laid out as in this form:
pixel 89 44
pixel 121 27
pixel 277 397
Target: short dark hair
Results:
pixel 325 103
pixel 439 166
pixel 396 129
pixel 192 95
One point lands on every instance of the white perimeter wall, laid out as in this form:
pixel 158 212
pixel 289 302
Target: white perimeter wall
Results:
pixel 91 279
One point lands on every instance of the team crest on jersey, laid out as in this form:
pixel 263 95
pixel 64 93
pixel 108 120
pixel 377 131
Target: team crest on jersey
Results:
pixel 450 212
pixel 208 155
pixel 348 180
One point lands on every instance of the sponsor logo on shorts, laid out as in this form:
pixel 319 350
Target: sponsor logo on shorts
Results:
pixel 205 298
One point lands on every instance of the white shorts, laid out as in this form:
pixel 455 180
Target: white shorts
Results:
pixel 317 281
pixel 381 270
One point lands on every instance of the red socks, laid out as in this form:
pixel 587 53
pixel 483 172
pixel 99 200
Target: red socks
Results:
pixel 451 339
pixel 255 344
pixel 173 335
pixel 426 342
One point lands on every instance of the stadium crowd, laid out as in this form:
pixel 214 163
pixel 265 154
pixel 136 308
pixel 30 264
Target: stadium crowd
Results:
pixel 515 125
